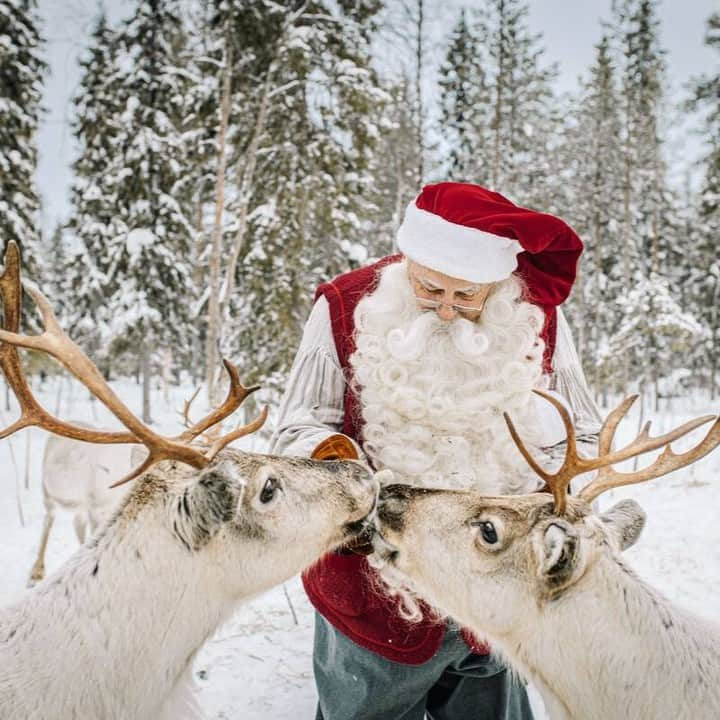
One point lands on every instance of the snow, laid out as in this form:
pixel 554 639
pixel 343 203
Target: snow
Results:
pixel 137 240
pixel 260 663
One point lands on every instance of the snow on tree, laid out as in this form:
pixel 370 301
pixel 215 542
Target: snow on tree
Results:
pixel 522 112
pixel 305 118
pixel 96 219
pixel 498 105
pixel 21 74
pixel 704 260
pixel 653 331
pixel 394 168
pixel 464 101
pixel 650 227
pixel 149 257
pixel 593 175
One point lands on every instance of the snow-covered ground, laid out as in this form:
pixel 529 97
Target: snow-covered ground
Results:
pixel 259 665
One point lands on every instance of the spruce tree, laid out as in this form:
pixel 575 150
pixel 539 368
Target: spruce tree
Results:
pixel 306 120
pixel 148 265
pixel 21 74
pixel 650 214
pixel 464 102
pixel 96 221
pixel 704 275
pixel 396 163
pixel 522 113
pixel 594 168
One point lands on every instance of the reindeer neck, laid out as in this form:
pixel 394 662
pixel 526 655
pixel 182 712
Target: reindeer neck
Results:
pixel 612 646
pixel 136 606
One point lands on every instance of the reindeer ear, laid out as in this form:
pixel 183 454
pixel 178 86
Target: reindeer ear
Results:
pixel 625 522
pixel 205 506
pixel 558 555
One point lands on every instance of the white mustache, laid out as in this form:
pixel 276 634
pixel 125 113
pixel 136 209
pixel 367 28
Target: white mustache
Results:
pixel 468 339
pixel 409 343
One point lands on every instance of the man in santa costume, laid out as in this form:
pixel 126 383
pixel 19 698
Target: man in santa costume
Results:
pixel 409 364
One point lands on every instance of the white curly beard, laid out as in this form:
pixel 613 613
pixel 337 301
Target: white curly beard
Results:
pixel 433 392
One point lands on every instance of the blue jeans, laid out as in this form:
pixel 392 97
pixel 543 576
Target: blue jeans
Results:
pixel 455 684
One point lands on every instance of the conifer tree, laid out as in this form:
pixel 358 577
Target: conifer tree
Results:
pixel 96 221
pixel 499 117
pixel 704 274
pixel 149 258
pixel 396 163
pixel 464 102
pixel 21 74
pixel 650 223
pixel 594 205
pixel 306 110
pixel 522 113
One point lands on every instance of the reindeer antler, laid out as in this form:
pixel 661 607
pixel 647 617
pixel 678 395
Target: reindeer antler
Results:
pixel 187 404
pixel 55 342
pixel 32 414
pixel 607 478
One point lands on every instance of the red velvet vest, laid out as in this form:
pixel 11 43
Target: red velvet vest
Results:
pixel 343 588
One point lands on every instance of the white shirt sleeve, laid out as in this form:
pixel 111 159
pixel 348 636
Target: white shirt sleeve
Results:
pixel 312 407
pixel 568 379
pixel 567 382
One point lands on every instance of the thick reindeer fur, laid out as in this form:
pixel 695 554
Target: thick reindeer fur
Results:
pixel 112 635
pixel 556 598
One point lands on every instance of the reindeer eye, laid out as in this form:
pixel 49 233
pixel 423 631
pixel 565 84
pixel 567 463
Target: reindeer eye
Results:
pixel 270 489
pixel 488 532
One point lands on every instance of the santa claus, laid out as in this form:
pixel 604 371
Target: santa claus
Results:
pixel 410 363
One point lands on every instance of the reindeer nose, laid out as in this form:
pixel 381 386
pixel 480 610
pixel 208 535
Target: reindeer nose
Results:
pixel 363 475
pixel 392 505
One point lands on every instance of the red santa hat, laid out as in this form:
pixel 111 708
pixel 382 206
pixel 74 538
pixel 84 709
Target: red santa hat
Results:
pixel 472 233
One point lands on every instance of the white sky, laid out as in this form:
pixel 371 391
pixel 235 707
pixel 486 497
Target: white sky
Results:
pixel 570 29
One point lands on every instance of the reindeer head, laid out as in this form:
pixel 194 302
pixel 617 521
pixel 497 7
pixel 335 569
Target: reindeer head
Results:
pixel 489 561
pixel 280 513
pixel 258 519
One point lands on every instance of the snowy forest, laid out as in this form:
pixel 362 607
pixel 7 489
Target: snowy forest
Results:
pixel 233 155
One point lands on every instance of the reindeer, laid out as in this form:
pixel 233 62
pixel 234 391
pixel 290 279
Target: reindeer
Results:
pixel 542 578
pixel 112 635
pixel 76 478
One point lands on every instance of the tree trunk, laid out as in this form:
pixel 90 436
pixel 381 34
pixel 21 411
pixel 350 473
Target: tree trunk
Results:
pixel 146 369
pixel 28 456
pixel 198 367
pixel 418 92
pixel 627 271
pixel 166 374
pixel 500 89
pixel 245 192
pixel 715 325
pixel 213 313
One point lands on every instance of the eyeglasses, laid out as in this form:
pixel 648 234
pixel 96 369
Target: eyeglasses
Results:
pixel 463 310
pixel 421 292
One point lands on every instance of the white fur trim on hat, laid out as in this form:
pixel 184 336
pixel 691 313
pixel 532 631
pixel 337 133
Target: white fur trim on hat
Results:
pixel 456 250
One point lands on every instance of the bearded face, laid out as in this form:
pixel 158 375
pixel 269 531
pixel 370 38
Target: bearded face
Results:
pixel 433 391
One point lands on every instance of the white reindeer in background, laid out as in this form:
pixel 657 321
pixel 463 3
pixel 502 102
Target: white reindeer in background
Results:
pixel 76 478
pixel 542 578
pixel 112 635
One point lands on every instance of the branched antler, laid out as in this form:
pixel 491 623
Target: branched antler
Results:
pixel 32 414
pixel 608 478
pixel 55 342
